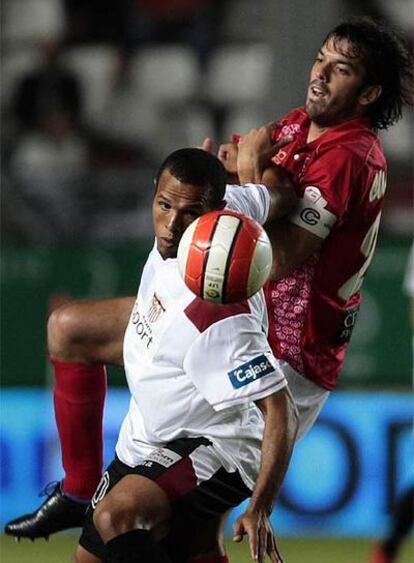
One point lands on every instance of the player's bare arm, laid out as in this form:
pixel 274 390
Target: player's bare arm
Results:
pixel 292 244
pixel 89 331
pixel 279 435
pixel 255 151
pixel 247 160
pixel 227 154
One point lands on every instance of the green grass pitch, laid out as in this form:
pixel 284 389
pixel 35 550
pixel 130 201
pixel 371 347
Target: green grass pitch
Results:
pixel 295 550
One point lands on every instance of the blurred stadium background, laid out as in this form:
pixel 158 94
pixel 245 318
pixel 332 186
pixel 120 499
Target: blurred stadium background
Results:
pixel 94 95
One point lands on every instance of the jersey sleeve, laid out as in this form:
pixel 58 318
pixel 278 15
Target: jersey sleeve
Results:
pixel 325 191
pixel 251 199
pixel 231 363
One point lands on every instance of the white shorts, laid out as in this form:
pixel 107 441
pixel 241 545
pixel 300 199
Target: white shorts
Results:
pixel 242 453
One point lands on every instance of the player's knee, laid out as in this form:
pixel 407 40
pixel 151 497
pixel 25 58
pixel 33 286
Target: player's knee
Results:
pixel 63 331
pixel 116 518
pixel 109 521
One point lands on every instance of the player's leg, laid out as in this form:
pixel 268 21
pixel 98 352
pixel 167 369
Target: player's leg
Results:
pixel 402 519
pixel 129 519
pixel 82 337
pixel 207 545
pixel 127 515
pixel 199 513
pixel 83 556
pixel 132 516
pixel 89 332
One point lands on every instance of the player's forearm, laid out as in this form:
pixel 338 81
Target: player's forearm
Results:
pixel 254 165
pixel 278 440
pixel 282 192
pixel 283 200
pixel 249 169
pixel 291 246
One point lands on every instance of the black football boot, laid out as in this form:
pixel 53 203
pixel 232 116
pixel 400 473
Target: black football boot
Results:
pixel 58 512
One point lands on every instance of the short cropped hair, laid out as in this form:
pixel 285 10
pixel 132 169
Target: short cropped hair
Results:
pixel 388 63
pixel 199 168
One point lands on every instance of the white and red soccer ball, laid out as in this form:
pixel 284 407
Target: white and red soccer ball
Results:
pixel 224 257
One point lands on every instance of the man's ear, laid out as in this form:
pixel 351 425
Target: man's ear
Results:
pixel 370 95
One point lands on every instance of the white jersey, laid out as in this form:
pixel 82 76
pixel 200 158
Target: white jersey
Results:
pixel 195 368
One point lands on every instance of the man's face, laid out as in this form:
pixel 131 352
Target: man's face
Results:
pixel 175 206
pixel 336 84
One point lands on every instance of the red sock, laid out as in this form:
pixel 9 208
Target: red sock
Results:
pixel 79 398
pixel 216 559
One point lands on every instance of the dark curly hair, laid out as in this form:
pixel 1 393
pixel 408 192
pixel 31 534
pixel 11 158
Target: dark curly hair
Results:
pixel 388 63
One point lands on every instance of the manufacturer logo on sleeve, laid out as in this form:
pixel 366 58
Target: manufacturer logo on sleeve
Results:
pixel 250 371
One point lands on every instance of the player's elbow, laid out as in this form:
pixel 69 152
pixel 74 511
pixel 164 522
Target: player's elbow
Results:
pixel 284 201
pixel 280 409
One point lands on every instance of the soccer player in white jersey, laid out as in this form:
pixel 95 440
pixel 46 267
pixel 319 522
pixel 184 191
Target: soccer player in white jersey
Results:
pixel 195 427
pixel 93 331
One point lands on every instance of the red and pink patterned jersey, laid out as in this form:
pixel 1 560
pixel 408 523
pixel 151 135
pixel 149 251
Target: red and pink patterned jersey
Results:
pixel 340 179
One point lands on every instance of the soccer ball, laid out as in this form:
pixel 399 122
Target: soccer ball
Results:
pixel 224 257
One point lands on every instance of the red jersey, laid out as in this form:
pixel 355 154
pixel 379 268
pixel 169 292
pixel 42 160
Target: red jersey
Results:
pixel 340 179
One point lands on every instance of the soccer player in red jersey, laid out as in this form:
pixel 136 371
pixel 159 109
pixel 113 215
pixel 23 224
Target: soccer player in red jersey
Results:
pixel 359 83
pixel 338 168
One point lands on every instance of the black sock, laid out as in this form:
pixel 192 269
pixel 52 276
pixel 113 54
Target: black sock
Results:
pixel 136 546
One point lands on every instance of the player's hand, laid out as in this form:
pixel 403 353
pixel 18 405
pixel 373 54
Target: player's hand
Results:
pixel 257 148
pixel 256 525
pixel 227 155
pixel 207 144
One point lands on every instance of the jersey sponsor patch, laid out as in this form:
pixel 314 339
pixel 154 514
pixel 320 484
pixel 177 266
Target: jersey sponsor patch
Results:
pixel 250 371
pixel 312 215
pixel 347 325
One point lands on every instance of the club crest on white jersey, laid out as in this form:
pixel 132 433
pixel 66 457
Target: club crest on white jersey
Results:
pixel 156 309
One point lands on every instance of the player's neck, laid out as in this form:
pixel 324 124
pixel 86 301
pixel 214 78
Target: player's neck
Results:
pixel 315 131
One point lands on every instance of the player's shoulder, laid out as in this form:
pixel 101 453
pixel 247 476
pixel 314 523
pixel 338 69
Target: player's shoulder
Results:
pixel 203 314
pixel 355 141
